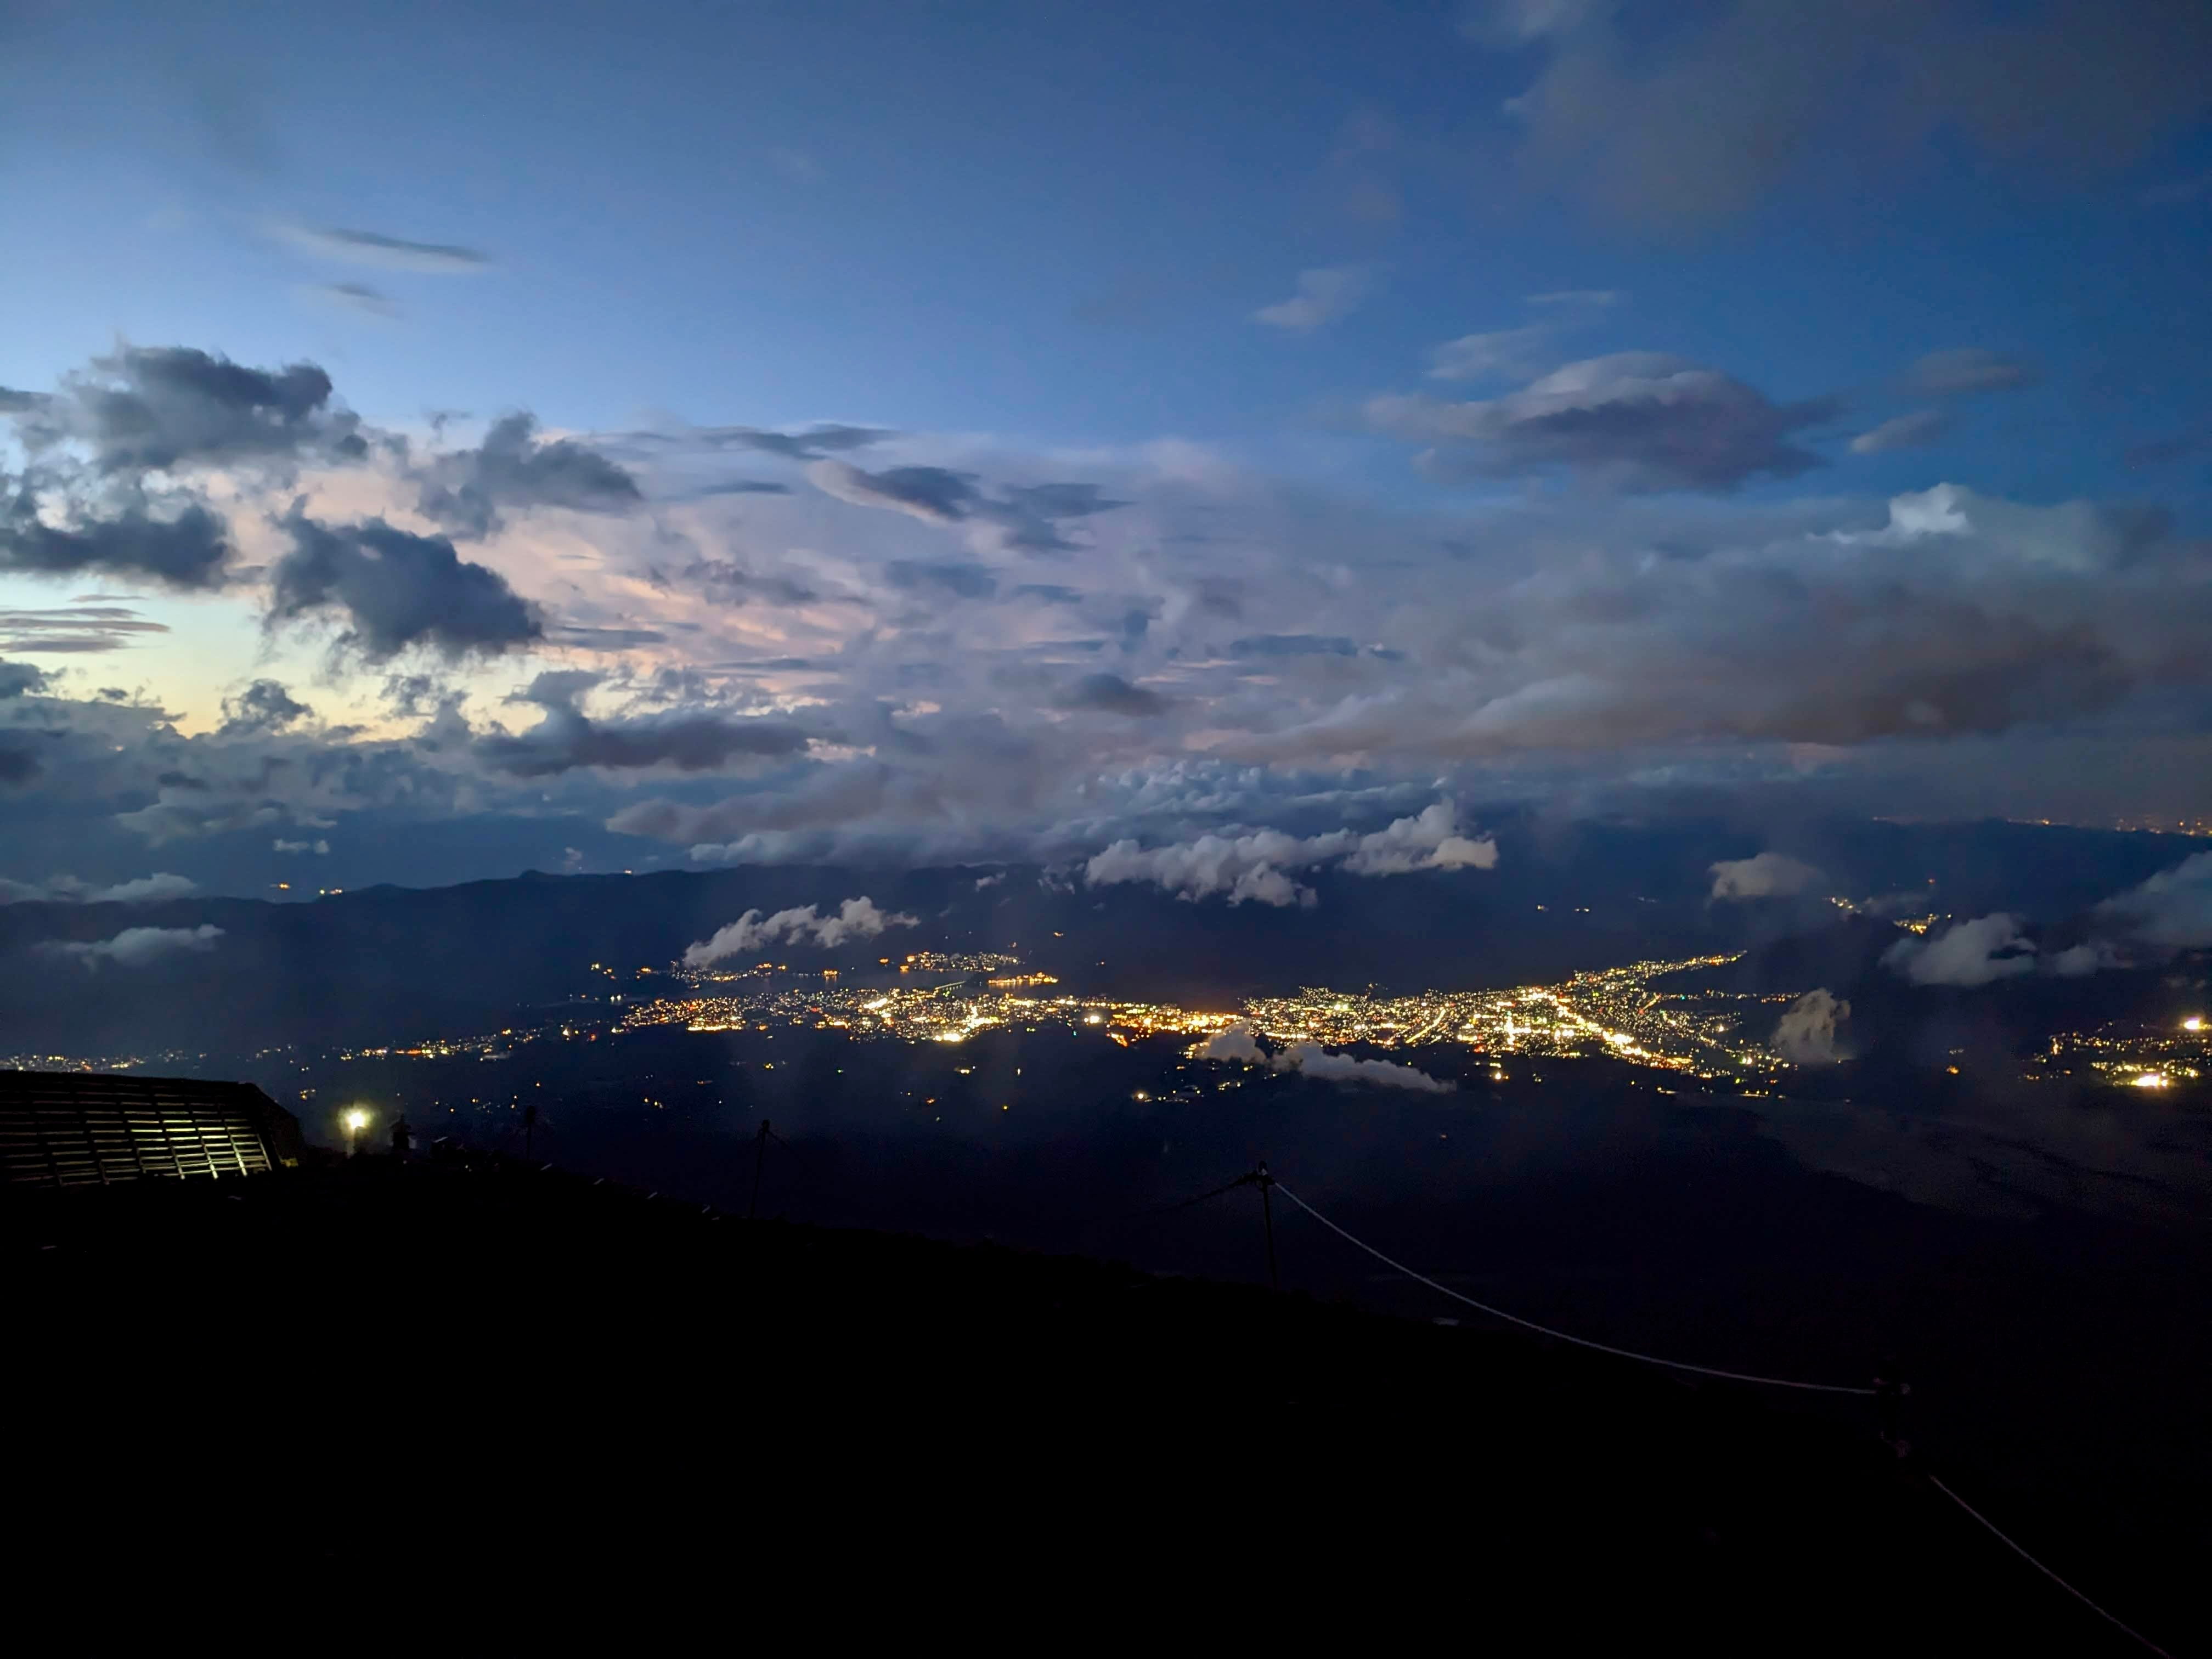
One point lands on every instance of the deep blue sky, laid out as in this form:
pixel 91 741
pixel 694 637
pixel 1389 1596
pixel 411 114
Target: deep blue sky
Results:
pixel 1049 220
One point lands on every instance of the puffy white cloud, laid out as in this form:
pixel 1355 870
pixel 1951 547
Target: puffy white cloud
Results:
pixel 146 890
pixel 1806 1034
pixel 1429 841
pixel 2090 957
pixel 1236 1044
pixel 137 947
pixel 1311 1060
pixel 1236 867
pixel 1767 875
pixel 855 919
pixel 1256 866
pixel 2172 910
pixel 1977 952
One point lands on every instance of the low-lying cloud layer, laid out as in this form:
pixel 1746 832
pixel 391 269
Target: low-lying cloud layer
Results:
pixel 67 889
pixel 855 919
pixel 1968 953
pixel 2141 927
pixel 1807 1032
pixel 1258 866
pixel 2171 911
pixel 139 947
pixel 1311 1060
pixel 1765 875
pixel 1238 1046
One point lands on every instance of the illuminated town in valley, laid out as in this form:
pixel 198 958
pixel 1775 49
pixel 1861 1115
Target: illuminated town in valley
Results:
pixel 1613 1014
pixel 1629 1014
pixel 2133 1054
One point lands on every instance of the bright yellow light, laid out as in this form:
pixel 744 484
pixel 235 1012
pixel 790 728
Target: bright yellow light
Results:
pixel 355 1121
pixel 2151 1080
pixel 2194 1023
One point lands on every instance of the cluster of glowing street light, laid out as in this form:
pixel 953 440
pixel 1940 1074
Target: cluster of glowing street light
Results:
pixel 2159 1079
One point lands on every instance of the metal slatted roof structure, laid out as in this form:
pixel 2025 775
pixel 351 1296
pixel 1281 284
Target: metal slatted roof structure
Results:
pixel 92 1128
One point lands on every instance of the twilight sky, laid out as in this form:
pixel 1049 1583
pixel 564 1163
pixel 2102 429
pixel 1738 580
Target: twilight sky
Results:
pixel 442 440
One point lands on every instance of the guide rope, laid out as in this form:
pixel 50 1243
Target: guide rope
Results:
pixel 1119 1217
pixel 1192 1203
pixel 1563 1336
pixel 2001 1538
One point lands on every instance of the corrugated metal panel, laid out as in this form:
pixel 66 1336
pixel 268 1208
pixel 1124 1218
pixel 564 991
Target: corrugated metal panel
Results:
pixel 77 1129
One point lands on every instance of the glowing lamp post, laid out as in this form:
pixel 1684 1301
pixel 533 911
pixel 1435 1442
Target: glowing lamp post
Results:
pixel 353 1121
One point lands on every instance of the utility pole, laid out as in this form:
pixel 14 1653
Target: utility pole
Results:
pixel 1262 1179
pixel 760 1156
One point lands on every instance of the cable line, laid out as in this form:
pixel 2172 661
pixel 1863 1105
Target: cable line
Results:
pixel 1121 1216
pixel 2001 1538
pixel 1563 1336
pixel 1192 1203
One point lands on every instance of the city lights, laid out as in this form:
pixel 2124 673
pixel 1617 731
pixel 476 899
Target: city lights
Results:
pixel 1617 1012
pixel 2132 1054
pixel 1650 1015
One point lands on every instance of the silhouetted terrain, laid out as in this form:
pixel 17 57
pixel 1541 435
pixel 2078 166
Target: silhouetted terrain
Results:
pixel 468 1370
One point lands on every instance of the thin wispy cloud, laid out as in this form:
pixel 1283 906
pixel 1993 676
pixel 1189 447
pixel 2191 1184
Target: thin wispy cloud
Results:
pixel 1914 431
pixel 1966 369
pixel 1324 295
pixel 370 247
pixel 357 298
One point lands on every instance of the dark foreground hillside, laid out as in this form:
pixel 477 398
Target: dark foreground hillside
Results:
pixel 469 1378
